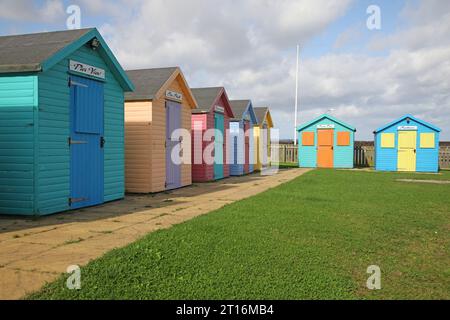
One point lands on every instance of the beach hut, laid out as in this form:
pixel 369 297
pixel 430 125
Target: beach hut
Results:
pixel 407 144
pixel 241 138
pixel 261 134
pixel 61 122
pixel 160 105
pixel 213 112
pixel 325 142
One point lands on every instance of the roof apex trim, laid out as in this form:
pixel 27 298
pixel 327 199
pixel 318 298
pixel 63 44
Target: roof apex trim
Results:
pixel 177 72
pixel 267 115
pixel 307 124
pixel 249 108
pixel 116 68
pixel 390 124
pixel 221 92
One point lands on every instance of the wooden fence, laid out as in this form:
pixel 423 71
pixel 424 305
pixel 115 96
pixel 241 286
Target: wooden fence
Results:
pixel 444 157
pixel 287 153
pixel 364 156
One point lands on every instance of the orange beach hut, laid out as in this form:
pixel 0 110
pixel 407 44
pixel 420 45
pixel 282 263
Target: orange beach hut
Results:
pixel 161 103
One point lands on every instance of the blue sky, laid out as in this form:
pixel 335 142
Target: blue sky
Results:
pixel 367 77
pixel 355 19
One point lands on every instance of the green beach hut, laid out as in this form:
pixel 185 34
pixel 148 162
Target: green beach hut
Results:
pixel 61 122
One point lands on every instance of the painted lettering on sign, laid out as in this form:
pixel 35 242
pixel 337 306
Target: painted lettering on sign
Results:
pixel 325 126
pixel 220 109
pixel 404 128
pixel 174 95
pixel 86 69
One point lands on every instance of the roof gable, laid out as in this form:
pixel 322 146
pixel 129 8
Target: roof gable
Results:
pixel 207 98
pixel 393 123
pixel 151 84
pixel 263 114
pixel 325 116
pixel 27 52
pixel 241 107
pixel 39 52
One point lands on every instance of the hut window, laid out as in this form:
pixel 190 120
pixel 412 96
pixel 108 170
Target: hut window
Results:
pixel 308 138
pixel 343 138
pixel 388 140
pixel 427 140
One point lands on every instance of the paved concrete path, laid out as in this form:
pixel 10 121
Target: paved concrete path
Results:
pixel 35 251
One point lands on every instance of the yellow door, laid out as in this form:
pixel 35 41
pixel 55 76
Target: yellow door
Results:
pixel 407 143
pixel 257 145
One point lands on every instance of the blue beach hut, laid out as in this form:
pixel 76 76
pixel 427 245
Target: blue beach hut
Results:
pixel 242 154
pixel 61 122
pixel 407 144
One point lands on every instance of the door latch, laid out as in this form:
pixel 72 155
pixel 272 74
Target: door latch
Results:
pixel 102 142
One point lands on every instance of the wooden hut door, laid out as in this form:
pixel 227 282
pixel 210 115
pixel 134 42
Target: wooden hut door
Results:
pixel 246 147
pixel 407 144
pixel 173 122
pixel 218 146
pixel 325 139
pixel 86 142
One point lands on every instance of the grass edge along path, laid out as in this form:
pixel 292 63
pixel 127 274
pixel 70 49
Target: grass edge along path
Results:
pixel 310 238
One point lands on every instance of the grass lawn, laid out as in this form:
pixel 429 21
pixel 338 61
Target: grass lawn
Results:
pixel 287 165
pixel 311 238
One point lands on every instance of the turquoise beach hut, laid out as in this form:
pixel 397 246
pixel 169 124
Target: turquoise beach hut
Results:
pixel 407 144
pixel 61 122
pixel 326 142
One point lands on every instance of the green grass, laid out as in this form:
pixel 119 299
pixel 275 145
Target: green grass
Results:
pixel 287 165
pixel 311 238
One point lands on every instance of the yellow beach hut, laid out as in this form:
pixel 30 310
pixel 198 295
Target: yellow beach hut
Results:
pixel 261 134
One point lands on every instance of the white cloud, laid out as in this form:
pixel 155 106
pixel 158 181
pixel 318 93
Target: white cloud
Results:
pixel 249 47
pixel 26 10
pixel 243 45
pixel 426 25
pixel 114 8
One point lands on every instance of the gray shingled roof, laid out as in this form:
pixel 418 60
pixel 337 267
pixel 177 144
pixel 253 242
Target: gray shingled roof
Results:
pixel 26 53
pixel 239 107
pixel 147 82
pixel 205 98
pixel 260 113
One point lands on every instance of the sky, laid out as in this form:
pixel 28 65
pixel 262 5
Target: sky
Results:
pixel 365 77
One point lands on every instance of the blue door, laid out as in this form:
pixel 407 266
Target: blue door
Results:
pixel 218 146
pixel 173 122
pixel 86 142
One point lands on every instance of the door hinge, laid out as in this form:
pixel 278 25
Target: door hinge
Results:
pixel 102 142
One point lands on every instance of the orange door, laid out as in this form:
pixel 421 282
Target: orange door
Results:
pixel 325 148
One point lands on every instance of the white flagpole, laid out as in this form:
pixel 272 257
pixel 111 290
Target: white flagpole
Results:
pixel 296 98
